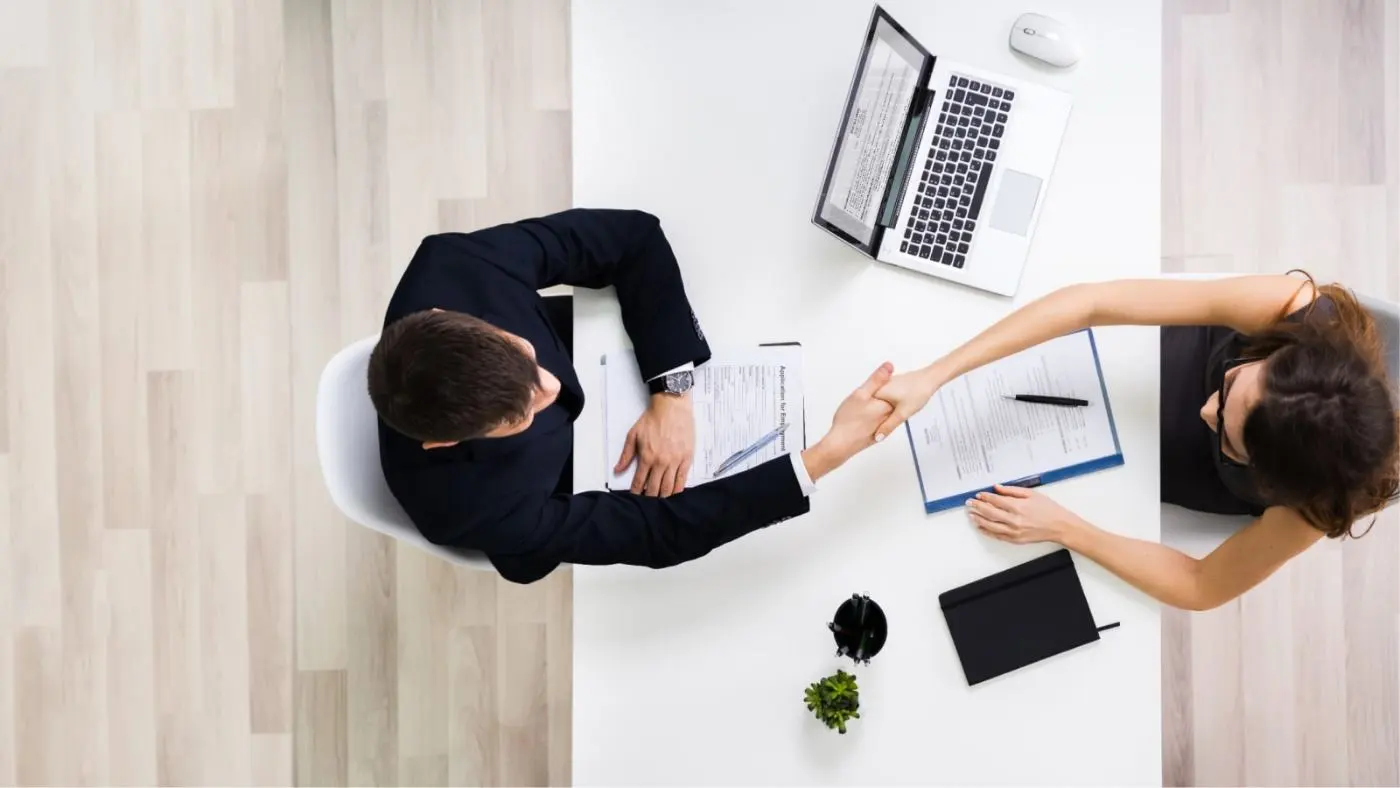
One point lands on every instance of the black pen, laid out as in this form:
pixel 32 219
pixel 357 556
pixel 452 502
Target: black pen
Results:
pixel 1041 399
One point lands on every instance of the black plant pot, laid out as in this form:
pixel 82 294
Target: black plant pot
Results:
pixel 860 629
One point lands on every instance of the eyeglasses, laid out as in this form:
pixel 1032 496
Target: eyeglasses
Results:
pixel 1220 413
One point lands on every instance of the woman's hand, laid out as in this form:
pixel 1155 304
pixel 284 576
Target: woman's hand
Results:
pixel 1022 516
pixel 907 394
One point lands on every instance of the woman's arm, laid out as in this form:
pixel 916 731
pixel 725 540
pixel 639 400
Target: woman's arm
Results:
pixel 1246 303
pixel 1174 578
pixel 1020 515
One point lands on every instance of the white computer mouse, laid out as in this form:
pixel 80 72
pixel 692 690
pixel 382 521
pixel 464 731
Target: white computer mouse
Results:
pixel 1046 39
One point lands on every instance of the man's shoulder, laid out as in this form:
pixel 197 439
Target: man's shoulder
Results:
pixel 437 277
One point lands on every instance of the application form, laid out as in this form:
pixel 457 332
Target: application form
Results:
pixel 970 437
pixel 739 396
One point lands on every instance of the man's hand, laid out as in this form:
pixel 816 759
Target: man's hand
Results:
pixel 852 428
pixel 907 394
pixel 663 443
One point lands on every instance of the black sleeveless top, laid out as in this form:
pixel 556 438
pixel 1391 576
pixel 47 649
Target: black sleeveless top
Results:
pixel 1192 361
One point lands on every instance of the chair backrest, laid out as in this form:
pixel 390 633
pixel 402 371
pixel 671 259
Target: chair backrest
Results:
pixel 1387 317
pixel 347 441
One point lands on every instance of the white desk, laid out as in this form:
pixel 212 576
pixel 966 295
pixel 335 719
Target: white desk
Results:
pixel 718 117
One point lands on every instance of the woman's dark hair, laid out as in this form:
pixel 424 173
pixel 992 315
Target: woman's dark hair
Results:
pixel 1323 438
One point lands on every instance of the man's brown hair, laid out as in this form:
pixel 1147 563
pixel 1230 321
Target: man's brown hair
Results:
pixel 441 377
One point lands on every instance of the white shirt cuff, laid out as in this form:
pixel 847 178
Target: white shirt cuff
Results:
pixel 804 479
pixel 688 366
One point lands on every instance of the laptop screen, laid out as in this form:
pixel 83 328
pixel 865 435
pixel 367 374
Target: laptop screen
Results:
pixel 890 70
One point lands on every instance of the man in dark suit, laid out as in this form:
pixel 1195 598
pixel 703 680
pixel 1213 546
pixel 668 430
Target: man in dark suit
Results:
pixel 477 396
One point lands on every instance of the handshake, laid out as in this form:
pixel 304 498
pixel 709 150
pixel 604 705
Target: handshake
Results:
pixel 868 415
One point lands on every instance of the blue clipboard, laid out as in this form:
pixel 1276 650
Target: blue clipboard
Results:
pixel 1046 477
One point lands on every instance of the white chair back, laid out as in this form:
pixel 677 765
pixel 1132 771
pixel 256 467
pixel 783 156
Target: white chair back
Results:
pixel 347 440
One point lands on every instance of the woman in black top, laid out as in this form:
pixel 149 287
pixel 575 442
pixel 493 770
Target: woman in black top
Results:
pixel 1275 402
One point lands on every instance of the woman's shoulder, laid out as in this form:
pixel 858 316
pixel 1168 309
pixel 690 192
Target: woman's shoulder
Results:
pixel 1319 307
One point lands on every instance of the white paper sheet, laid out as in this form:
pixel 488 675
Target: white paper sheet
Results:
pixel 739 396
pixel 969 437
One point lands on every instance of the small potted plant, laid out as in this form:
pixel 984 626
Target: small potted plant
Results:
pixel 835 700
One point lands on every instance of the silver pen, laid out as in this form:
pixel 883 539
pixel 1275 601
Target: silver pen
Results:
pixel 743 454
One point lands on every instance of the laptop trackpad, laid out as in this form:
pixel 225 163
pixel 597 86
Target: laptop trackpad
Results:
pixel 1015 202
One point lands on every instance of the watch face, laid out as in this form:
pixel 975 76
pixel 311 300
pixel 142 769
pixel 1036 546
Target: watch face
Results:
pixel 679 382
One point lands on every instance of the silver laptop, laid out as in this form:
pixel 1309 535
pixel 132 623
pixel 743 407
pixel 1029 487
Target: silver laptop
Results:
pixel 938 166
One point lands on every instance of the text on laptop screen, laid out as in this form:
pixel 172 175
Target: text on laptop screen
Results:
pixel 867 148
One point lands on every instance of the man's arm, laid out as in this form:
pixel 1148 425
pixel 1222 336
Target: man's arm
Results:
pixel 623 528
pixel 526 535
pixel 597 248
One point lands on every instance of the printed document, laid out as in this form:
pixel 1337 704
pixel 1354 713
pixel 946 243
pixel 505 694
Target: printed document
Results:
pixel 872 137
pixel 739 397
pixel 970 437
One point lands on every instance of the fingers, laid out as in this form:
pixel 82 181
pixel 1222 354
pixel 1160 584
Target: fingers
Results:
pixel 990 528
pixel 668 480
pixel 1015 492
pixel 629 451
pixel 1005 503
pixel 655 479
pixel 890 425
pixel 877 379
pixel 639 479
pixel 989 512
pixel 681 474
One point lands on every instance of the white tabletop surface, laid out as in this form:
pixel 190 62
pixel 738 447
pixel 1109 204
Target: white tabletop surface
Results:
pixel 718 117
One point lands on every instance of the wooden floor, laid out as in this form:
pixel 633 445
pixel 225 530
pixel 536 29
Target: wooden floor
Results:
pixel 201 200
pixel 1281 149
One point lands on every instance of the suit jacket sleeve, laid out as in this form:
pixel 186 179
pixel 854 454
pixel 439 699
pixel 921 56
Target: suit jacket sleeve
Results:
pixel 595 249
pixel 528 535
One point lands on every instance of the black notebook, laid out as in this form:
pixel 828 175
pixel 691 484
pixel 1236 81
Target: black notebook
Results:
pixel 1022 615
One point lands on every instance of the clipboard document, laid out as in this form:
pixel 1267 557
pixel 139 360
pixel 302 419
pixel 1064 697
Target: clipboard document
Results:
pixel 739 396
pixel 971 437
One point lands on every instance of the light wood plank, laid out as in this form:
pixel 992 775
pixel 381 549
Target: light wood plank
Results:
pixel 175 579
pixel 460 104
pixel 473 734
pixel 121 247
pixel 40 758
pixel 272 759
pixel 423 594
pixel 131 679
pixel 24 36
pixel 1217 723
pixel 559 674
pixel 265 377
pixel 223 617
pixel 270 600
pixel 219 141
pixel 373 672
pixel 1320 665
pixel 413 138
pixel 25 247
pixel 521 689
pixel 313 283
pixel 8 697
pixel 549 55
pixel 320 756
pixel 209 47
pixel 167 325
pixel 161 30
pixel 117 54
pixel 77 388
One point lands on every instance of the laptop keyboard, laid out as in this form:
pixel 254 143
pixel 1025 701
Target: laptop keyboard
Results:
pixel 949 194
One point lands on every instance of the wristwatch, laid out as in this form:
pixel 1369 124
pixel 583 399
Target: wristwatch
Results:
pixel 676 383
